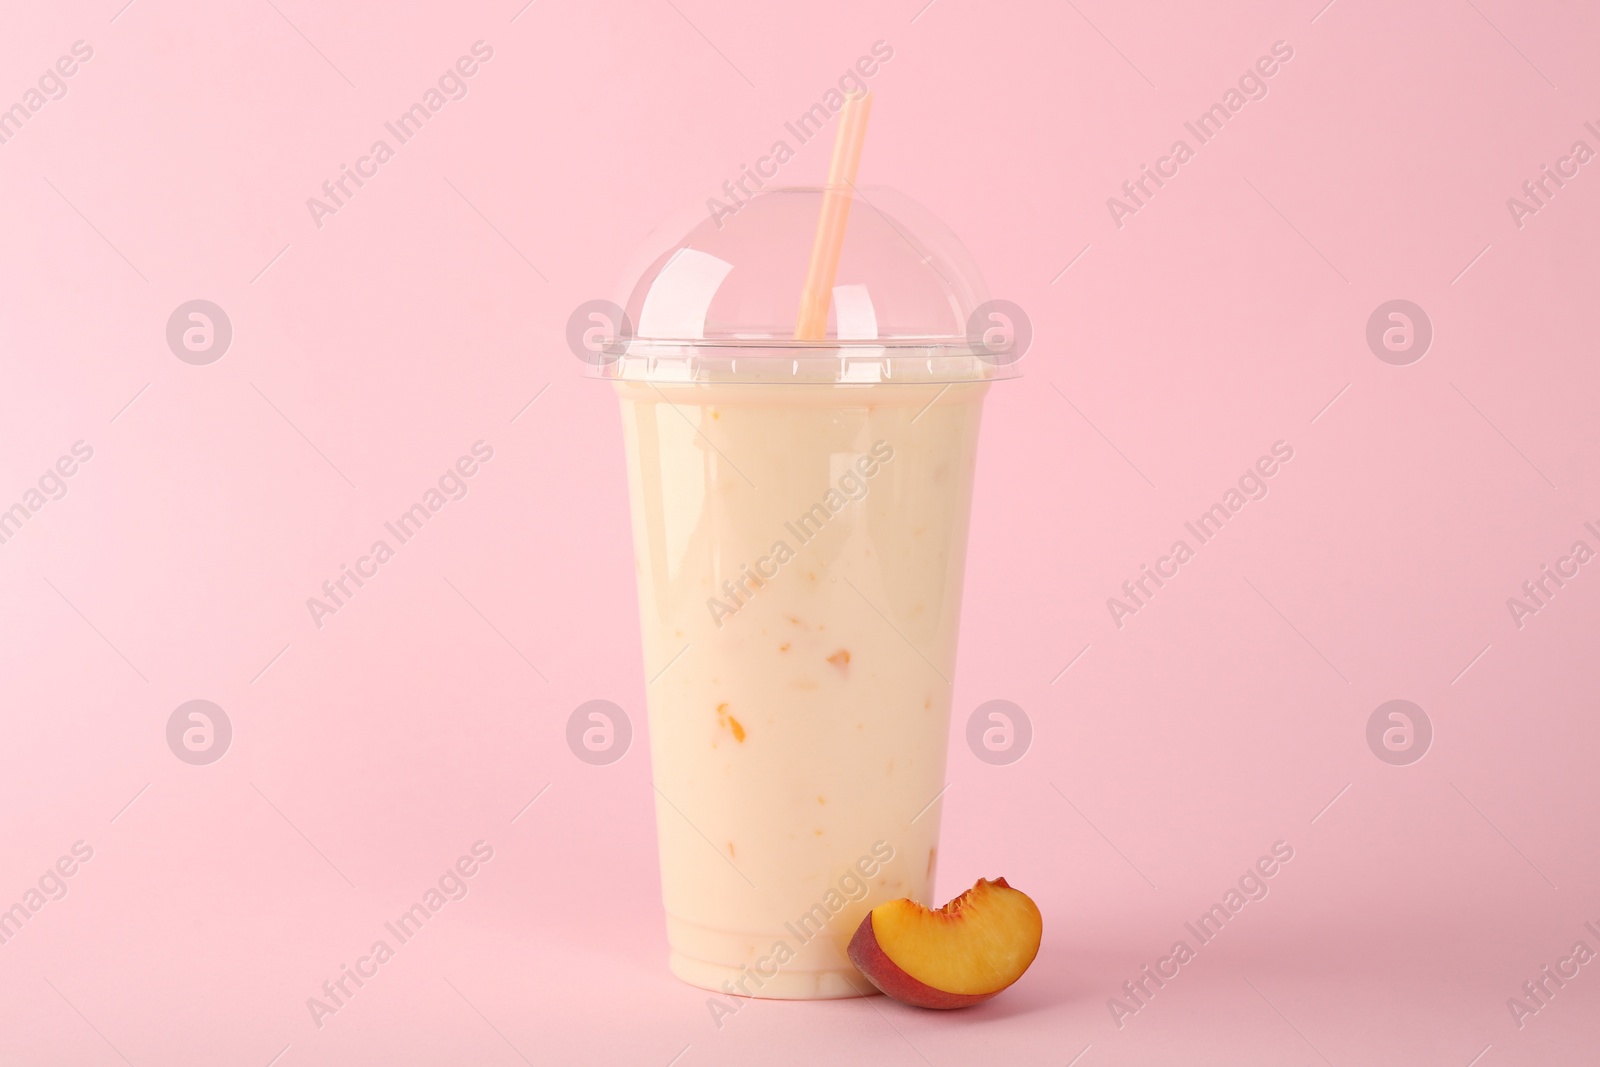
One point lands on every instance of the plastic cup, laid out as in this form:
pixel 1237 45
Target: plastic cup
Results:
pixel 800 513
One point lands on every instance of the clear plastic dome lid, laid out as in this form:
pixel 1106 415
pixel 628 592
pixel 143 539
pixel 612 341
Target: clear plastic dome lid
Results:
pixel 723 302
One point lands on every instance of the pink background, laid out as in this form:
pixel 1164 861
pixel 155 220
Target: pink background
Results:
pixel 369 353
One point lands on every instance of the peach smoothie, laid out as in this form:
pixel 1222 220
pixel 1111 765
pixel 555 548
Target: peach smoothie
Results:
pixel 799 549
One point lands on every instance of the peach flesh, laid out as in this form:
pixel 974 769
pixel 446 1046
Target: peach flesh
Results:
pixel 963 953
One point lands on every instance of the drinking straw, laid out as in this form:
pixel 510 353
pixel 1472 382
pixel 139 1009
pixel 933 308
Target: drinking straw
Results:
pixel 812 323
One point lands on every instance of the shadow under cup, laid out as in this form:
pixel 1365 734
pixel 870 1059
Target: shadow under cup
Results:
pixel 800 549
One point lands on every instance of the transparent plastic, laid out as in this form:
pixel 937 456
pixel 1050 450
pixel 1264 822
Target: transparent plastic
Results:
pixel 800 514
pixel 720 302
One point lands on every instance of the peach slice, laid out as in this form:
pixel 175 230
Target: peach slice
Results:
pixel 964 953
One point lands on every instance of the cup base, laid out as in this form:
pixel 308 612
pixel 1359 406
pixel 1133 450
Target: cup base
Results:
pixel 785 985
